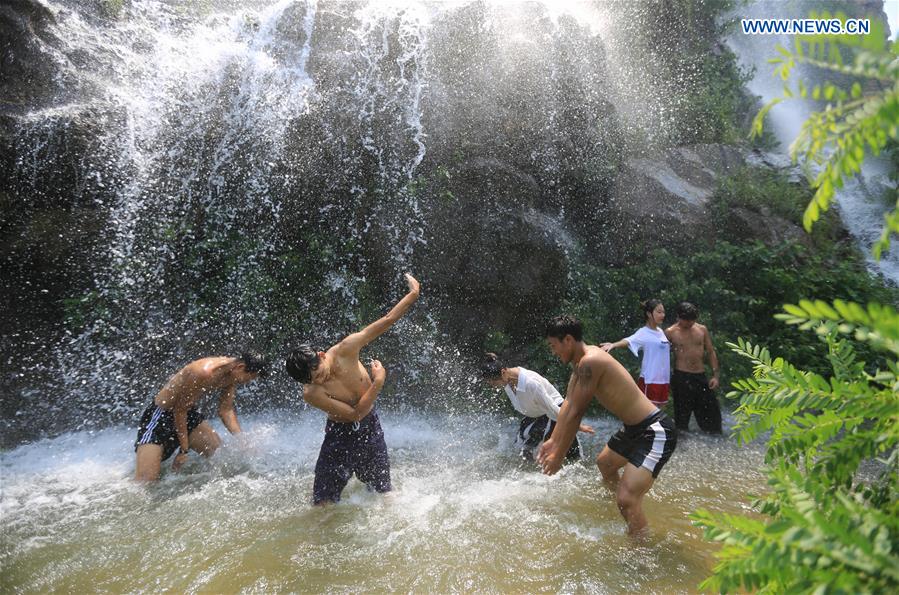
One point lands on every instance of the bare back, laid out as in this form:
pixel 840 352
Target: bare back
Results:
pixel 193 381
pixel 612 385
pixel 689 347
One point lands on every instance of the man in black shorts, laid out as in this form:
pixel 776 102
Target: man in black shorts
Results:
pixel 692 392
pixel 172 421
pixel 641 448
pixel 336 382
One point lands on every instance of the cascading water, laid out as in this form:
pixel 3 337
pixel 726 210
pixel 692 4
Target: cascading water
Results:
pixel 861 202
pixel 263 172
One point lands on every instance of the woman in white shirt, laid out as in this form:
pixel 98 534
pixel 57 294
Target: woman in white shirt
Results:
pixel 536 398
pixel 655 368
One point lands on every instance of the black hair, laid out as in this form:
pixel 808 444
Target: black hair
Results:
pixel 301 363
pixel 254 362
pixel 687 311
pixel 492 368
pixel 560 326
pixel 648 306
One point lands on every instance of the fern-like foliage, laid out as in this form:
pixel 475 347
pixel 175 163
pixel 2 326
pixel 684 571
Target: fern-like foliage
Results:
pixel 830 522
pixel 855 121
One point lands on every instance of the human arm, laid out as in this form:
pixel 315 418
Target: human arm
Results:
pixel 356 341
pixel 610 346
pixel 317 397
pixel 580 392
pixel 179 411
pixel 549 399
pixel 227 412
pixel 713 359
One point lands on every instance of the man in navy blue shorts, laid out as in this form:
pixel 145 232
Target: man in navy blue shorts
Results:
pixel 336 382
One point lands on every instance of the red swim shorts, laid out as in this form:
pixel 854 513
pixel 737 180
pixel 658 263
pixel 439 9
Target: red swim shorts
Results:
pixel 657 393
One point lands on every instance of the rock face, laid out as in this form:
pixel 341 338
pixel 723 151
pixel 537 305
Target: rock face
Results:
pixel 665 199
pixel 26 75
pixel 502 260
pixel 282 176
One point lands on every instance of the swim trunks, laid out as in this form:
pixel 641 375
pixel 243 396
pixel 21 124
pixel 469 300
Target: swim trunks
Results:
pixel 657 393
pixel 647 444
pixel 350 448
pixel 157 426
pixel 534 430
pixel 691 395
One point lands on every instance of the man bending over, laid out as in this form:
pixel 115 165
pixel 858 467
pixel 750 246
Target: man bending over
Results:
pixel 336 382
pixel 641 447
pixel 172 421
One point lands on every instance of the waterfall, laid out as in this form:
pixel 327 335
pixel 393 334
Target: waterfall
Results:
pixel 862 202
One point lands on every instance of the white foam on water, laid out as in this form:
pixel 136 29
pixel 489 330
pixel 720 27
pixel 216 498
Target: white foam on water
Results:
pixel 463 504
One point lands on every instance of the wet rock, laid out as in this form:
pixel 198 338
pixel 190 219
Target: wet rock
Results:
pixel 26 72
pixel 666 199
pixel 492 253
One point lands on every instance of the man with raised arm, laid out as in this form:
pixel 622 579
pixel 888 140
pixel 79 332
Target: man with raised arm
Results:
pixel 641 447
pixel 172 420
pixel 692 391
pixel 336 382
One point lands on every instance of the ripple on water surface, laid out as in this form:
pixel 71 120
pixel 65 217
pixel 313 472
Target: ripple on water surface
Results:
pixel 466 515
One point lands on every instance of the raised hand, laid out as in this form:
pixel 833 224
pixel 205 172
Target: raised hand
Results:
pixel 414 285
pixel 378 373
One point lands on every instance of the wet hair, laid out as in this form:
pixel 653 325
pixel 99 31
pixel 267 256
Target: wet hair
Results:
pixel 687 311
pixel 560 326
pixel 254 362
pixel 301 363
pixel 648 306
pixel 492 367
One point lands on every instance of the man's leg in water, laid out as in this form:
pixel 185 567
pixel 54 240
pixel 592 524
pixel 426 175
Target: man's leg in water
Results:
pixel 635 482
pixel 204 440
pixel 149 462
pixel 609 462
pixel 707 410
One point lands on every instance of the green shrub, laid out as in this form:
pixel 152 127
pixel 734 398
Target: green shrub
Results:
pixel 827 526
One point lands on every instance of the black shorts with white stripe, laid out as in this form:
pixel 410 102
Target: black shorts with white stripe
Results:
pixel 157 426
pixel 647 444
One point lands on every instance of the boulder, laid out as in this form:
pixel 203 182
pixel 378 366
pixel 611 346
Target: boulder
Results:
pixel 666 199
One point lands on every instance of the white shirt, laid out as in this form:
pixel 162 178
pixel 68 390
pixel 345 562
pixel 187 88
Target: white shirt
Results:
pixel 656 365
pixel 534 395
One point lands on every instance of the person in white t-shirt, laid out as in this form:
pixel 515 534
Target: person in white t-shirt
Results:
pixel 536 399
pixel 655 368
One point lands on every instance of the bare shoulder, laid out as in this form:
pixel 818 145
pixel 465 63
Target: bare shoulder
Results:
pixel 313 391
pixel 593 362
pixel 206 368
pixel 344 347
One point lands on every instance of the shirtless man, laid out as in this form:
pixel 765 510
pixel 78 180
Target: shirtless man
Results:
pixel 641 447
pixel 336 382
pixel 172 421
pixel 692 392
